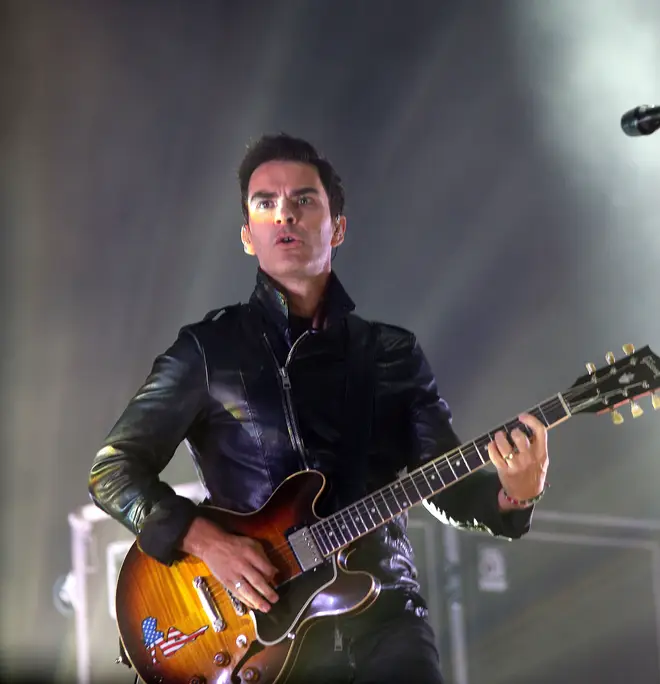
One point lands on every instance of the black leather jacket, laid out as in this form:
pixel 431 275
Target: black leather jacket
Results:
pixel 218 387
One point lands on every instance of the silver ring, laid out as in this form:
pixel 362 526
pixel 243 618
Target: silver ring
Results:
pixel 237 585
pixel 509 456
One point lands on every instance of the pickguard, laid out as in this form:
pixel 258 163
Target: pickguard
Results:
pixel 294 597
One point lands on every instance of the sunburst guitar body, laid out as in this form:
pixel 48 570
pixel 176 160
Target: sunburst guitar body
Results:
pixel 179 624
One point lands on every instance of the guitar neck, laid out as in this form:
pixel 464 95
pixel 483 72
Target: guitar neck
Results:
pixel 352 522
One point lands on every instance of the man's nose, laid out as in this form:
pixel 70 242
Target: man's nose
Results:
pixel 284 213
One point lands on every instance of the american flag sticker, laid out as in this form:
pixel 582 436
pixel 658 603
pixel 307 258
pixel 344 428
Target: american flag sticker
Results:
pixel 168 644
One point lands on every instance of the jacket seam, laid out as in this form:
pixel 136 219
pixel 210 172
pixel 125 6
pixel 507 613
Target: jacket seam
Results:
pixel 206 366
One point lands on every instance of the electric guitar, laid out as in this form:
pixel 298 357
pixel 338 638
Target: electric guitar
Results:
pixel 179 624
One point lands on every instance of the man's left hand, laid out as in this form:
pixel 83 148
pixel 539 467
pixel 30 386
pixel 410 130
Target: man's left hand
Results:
pixel 522 468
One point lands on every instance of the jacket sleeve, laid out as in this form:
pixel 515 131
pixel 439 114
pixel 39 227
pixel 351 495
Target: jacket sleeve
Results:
pixel 124 479
pixel 470 503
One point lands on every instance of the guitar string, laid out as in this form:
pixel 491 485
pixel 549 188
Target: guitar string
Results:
pixel 442 463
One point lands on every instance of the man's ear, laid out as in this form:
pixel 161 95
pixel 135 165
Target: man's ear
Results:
pixel 246 239
pixel 339 231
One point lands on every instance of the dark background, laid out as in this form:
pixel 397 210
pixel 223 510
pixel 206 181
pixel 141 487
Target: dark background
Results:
pixel 494 207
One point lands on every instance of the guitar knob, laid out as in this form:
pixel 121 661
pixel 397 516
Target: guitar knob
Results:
pixel 241 641
pixel 617 418
pixel 221 659
pixel 610 358
pixel 628 349
pixel 636 409
pixel 251 675
pixel 655 400
pixel 591 368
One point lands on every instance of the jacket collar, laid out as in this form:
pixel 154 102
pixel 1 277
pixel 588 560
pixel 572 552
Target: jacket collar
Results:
pixel 269 297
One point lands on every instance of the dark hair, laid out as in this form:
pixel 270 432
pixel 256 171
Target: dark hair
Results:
pixel 283 147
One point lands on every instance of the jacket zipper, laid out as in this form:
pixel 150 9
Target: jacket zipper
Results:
pixel 289 411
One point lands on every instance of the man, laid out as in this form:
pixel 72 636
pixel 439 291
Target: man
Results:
pixel 263 390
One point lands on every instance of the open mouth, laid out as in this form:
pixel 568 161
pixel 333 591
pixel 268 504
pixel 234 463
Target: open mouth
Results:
pixel 287 240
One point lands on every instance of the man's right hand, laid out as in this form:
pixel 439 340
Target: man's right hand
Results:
pixel 240 563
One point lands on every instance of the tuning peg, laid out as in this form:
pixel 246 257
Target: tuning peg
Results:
pixel 617 418
pixel 610 358
pixel 655 400
pixel 636 409
pixel 591 368
pixel 628 349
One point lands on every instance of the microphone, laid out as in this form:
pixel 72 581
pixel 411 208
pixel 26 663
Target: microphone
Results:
pixel 642 120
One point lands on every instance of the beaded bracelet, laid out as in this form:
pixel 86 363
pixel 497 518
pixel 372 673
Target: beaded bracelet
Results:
pixel 525 502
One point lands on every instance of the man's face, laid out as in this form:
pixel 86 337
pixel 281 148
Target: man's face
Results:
pixel 290 228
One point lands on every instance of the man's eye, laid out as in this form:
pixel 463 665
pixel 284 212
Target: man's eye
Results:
pixel 304 200
pixel 264 204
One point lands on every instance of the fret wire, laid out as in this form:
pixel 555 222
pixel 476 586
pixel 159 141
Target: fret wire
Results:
pixel 453 472
pixel 470 454
pixel 334 533
pixel 318 538
pixel 545 420
pixel 327 543
pixel 385 502
pixel 376 509
pixel 405 493
pixel 392 487
pixel 359 518
pixel 460 451
pixel 456 461
pixel 366 508
pixel 419 473
pixel 422 469
pixel 354 521
pixel 339 530
pixel 414 484
pixel 347 524
pixel 478 452
pixel 437 472
pixel 332 536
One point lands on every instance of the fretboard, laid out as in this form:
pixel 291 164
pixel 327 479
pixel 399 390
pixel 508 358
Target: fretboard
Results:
pixel 345 526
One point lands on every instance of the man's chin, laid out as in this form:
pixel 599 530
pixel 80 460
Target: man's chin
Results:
pixel 292 269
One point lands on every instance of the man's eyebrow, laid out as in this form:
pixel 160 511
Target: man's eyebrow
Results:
pixel 263 194
pixel 305 191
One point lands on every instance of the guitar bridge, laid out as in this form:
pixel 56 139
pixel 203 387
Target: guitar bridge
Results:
pixel 305 549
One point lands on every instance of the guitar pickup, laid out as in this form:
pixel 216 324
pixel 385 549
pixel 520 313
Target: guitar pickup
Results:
pixel 305 549
pixel 208 603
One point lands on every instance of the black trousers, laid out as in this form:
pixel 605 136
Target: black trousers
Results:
pixel 396 648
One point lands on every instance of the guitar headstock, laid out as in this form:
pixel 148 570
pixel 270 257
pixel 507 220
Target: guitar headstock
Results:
pixel 605 389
